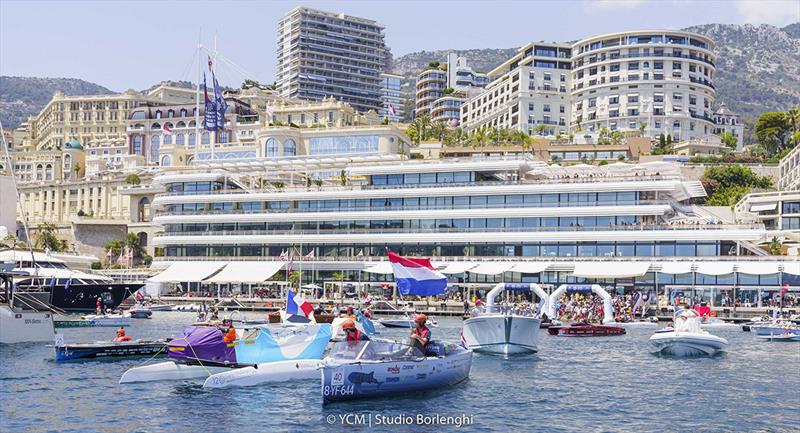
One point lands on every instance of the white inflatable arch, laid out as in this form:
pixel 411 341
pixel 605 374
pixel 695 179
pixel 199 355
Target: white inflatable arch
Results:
pixel 608 309
pixel 519 287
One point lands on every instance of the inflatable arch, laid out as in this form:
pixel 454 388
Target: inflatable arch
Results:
pixel 608 309
pixel 518 287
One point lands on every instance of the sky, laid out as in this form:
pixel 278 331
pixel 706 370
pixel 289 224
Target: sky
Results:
pixel 123 45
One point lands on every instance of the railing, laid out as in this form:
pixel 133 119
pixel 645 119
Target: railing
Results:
pixel 615 228
pixel 556 260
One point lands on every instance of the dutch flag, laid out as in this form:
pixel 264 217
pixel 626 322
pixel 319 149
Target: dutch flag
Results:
pixel 416 276
pixel 297 305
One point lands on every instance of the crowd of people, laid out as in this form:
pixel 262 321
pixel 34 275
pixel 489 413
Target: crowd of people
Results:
pixel 589 307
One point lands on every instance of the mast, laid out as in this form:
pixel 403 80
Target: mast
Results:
pixel 23 214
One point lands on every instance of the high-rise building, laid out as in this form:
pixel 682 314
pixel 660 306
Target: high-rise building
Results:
pixel 442 89
pixel 529 92
pixel 391 99
pixel 324 54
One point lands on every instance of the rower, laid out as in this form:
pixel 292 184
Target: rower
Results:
pixel 121 335
pixel 230 332
pixel 352 334
pixel 421 334
pixel 349 314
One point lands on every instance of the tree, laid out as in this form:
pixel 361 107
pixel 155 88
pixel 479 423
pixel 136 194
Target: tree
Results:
pixel 728 139
pixel 77 168
pixel 343 177
pixel 773 130
pixel 133 179
pixel 540 129
pixel 669 141
pixel 11 242
pixel 294 277
pixel 47 239
pixel 775 247
pixel 438 130
pixel 727 184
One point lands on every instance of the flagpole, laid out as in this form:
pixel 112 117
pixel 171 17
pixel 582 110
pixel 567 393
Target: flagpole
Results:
pixel 197 94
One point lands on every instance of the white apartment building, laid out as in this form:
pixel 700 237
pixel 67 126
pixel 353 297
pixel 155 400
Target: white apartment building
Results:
pixel 323 54
pixel 655 81
pixel 441 90
pixel 528 92
pixel 789 179
pixel 727 121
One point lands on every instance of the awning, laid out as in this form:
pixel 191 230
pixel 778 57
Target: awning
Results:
pixel 492 268
pixel 715 268
pixel 246 272
pixel 763 207
pixel 676 267
pixel 791 268
pixel 758 268
pixel 187 272
pixel 530 267
pixel 379 268
pixel 458 267
pixel 610 269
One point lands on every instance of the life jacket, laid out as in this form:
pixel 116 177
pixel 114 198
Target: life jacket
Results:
pixel 122 338
pixel 424 333
pixel 230 335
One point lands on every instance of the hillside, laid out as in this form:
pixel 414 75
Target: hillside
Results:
pixel 21 97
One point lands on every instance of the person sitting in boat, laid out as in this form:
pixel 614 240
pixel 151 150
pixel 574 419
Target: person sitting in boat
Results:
pixel 215 314
pixel 99 305
pixel 352 334
pixel 350 314
pixel 703 310
pixel 121 335
pixel 228 331
pixel 421 334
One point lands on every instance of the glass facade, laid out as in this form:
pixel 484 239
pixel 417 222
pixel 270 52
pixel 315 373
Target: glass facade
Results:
pixel 356 144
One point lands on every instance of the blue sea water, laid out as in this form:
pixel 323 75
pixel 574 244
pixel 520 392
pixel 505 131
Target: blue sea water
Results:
pixel 572 385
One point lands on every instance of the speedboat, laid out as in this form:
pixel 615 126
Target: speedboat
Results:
pixel 788 336
pixel 377 368
pixel 160 307
pixel 585 330
pixel 106 320
pixel 104 349
pixel 775 327
pixel 139 311
pixel 714 323
pixel 200 351
pixel 687 338
pixel 501 329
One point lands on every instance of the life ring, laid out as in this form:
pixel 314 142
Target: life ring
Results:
pixel 713 314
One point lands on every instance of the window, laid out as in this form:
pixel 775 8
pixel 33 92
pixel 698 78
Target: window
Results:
pixel 289 148
pixel 166 161
pixel 271 148
pixel 205 138
pixel 179 139
pixel 191 139
pixel 154 145
pixel 137 145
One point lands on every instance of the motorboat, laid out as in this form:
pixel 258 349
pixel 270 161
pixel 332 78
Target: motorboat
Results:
pixel 265 372
pixel 64 288
pixel 22 318
pixel 714 323
pixel 788 336
pixel 106 320
pixel 775 327
pixel 377 368
pixel 139 311
pixel 585 330
pixel 160 307
pixel 687 338
pixel 638 324
pixel 105 349
pixel 401 317
pixel 200 351
pixel 504 329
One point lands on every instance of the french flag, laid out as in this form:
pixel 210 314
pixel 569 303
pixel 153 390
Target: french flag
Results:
pixel 297 305
pixel 416 276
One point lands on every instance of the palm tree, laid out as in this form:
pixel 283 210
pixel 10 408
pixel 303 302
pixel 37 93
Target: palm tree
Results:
pixel 424 123
pixel 479 136
pixel 47 238
pixel 439 130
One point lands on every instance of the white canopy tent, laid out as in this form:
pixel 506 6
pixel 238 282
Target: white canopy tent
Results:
pixel 246 272
pixel 187 272
pixel 610 269
pixel 492 268
pixel 758 268
pixel 715 268
pixel 458 267
pixel 676 267
pixel 529 267
pixel 379 268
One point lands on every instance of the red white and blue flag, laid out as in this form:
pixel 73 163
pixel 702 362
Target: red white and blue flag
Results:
pixel 416 276
pixel 297 305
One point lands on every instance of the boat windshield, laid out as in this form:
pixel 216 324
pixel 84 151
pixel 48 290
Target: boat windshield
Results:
pixel 516 310
pixel 688 321
pixel 375 350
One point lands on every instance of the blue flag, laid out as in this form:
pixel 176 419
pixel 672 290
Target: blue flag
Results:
pixel 210 120
pixel 219 102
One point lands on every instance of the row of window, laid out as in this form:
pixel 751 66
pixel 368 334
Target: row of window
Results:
pixel 583 249
pixel 518 224
pixel 413 203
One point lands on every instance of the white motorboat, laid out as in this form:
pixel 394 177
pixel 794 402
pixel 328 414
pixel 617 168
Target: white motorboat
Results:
pixel 160 307
pixel 107 320
pixel 504 330
pixel 787 336
pixel 266 372
pixel 378 368
pixel 403 318
pixel 22 318
pixel 687 338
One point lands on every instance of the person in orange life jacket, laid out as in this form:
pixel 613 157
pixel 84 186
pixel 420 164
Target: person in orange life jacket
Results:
pixel 352 334
pixel 228 331
pixel 121 335
pixel 349 314
pixel 421 334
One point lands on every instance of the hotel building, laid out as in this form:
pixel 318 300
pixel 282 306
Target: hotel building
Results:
pixel 323 54
pixel 529 92
pixel 727 121
pixel 481 220
pixel 440 91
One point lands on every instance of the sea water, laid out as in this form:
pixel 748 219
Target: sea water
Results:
pixel 572 384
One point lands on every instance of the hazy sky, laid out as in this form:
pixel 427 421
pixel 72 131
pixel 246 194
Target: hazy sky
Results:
pixel 121 45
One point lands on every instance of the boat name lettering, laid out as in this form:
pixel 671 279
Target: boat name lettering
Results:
pixel 33 321
pixel 393 370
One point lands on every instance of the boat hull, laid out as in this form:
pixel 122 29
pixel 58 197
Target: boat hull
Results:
pixel 397 323
pixel 586 331
pixel 341 382
pixel 268 372
pixel 169 371
pixel 780 337
pixel 25 326
pixel 502 334
pixel 773 330
pixel 686 344
pixel 109 349
pixel 83 297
